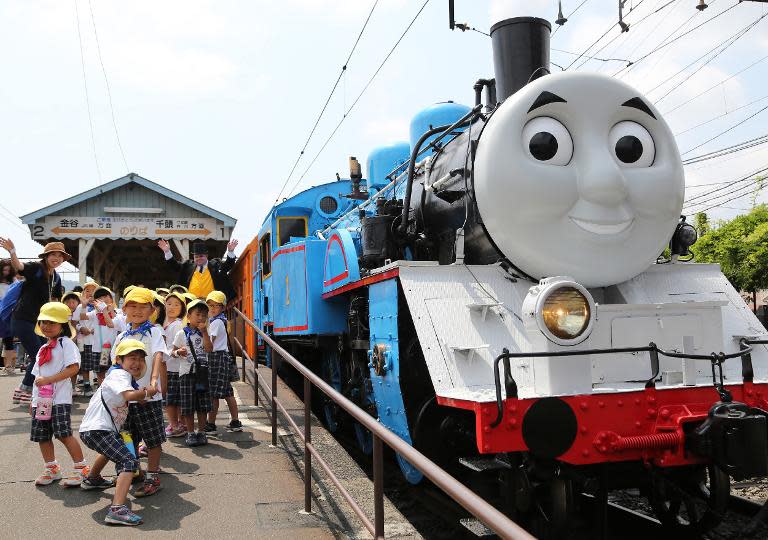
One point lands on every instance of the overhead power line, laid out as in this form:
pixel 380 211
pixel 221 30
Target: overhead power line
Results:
pixel 673 40
pixel 737 124
pixel 723 46
pixel 109 92
pixel 85 86
pixel 571 14
pixel 728 78
pixel 708 196
pixel 359 96
pixel 723 115
pixel 327 100
pixel 757 141
pixel 722 203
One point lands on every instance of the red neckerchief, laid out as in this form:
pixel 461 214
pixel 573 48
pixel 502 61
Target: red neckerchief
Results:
pixel 46 352
pixel 102 320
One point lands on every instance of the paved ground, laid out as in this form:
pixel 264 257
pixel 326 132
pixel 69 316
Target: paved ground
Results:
pixel 235 487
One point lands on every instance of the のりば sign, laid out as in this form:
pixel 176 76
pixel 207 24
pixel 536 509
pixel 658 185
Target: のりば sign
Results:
pixel 126 227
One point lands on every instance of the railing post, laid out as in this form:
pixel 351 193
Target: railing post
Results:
pixel 255 369
pixel 275 359
pixel 307 440
pixel 378 488
pixel 242 356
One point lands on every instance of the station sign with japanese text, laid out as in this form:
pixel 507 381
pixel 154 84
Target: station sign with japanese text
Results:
pixel 114 227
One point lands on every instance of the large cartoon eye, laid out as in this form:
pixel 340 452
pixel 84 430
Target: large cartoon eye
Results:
pixel 547 140
pixel 632 144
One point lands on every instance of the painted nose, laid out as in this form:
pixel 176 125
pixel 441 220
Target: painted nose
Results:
pixel 602 182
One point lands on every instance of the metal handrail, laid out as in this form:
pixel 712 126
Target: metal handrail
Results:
pixel 473 503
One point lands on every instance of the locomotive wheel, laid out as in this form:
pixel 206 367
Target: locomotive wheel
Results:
pixel 554 511
pixel 695 501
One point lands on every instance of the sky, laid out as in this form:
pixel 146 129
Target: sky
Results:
pixel 215 99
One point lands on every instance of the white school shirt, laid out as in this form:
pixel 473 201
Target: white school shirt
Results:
pixel 82 340
pixel 64 355
pixel 96 417
pixel 218 332
pixel 185 362
pixel 171 363
pixel 154 342
pixel 119 320
pixel 101 334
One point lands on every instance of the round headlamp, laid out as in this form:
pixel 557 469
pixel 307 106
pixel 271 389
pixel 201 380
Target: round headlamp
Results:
pixel 564 312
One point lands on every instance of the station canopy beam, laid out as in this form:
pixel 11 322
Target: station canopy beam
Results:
pixel 112 231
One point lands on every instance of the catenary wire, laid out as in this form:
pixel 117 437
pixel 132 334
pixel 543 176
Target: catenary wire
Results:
pixel 754 191
pixel 571 14
pixel 687 101
pixel 359 96
pixel 725 46
pixel 710 194
pixel 87 98
pixel 723 115
pixel 109 91
pixel 327 101
pixel 737 124
pixel 757 141
pixel 673 40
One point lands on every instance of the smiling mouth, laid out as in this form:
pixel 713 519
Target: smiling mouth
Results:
pixel 602 228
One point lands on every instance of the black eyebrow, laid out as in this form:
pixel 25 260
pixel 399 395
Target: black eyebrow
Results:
pixel 639 104
pixel 546 98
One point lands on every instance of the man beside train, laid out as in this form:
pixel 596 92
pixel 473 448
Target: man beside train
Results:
pixel 201 275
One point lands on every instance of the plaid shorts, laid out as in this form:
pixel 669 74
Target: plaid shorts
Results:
pixel 145 422
pixel 190 400
pixel 219 375
pixel 59 426
pixel 110 445
pixel 89 360
pixel 172 396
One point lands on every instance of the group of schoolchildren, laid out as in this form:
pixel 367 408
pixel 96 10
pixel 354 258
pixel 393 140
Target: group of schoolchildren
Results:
pixel 166 351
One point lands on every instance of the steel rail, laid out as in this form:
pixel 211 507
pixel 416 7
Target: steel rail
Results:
pixel 503 526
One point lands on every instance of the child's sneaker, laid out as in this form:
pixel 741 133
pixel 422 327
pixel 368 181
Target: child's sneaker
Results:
pixel 76 477
pixel 179 431
pixel 150 487
pixel 89 483
pixel 21 396
pixel 87 391
pixel 191 439
pixel 210 429
pixel 201 438
pixel 120 515
pixel 235 425
pixel 169 430
pixel 51 473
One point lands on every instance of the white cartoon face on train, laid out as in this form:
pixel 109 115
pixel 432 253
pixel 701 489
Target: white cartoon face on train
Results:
pixel 578 175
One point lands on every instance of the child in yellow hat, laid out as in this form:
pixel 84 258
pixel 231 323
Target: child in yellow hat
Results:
pixel 191 345
pixel 56 362
pixel 103 421
pixel 146 419
pixel 220 364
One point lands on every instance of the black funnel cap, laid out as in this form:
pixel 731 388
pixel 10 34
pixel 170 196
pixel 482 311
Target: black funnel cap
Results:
pixel 520 53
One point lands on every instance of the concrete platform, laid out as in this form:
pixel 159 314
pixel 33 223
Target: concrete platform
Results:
pixel 235 487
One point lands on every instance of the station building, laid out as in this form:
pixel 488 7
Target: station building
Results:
pixel 112 230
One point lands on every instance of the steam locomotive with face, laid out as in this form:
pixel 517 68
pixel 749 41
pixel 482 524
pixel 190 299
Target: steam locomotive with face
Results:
pixel 495 295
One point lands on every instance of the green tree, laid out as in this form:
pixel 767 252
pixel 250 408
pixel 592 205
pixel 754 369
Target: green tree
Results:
pixel 701 222
pixel 741 247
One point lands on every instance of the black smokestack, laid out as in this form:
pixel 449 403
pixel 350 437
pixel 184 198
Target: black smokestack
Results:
pixel 520 53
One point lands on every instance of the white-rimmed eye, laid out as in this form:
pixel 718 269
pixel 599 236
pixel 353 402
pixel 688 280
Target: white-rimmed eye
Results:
pixel 632 144
pixel 548 141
